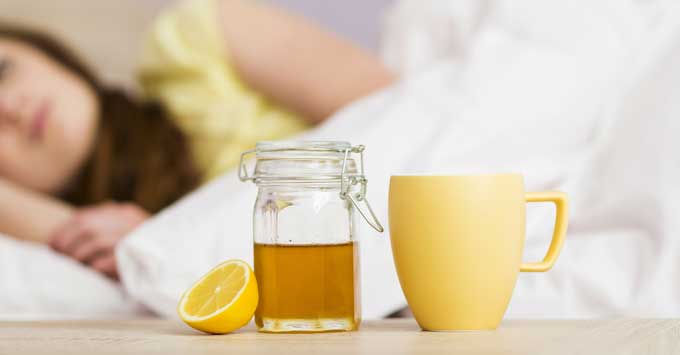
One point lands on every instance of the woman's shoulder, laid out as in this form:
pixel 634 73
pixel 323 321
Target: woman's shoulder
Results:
pixel 185 66
pixel 185 34
pixel 184 63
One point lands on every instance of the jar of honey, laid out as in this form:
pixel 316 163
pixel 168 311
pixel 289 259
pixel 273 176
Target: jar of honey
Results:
pixel 305 245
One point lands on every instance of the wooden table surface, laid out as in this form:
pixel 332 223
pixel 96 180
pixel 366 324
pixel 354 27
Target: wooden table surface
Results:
pixel 598 337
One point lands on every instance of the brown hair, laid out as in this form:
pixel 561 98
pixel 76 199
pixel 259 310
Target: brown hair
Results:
pixel 139 156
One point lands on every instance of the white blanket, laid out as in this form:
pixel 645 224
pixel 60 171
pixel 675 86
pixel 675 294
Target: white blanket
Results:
pixel 578 96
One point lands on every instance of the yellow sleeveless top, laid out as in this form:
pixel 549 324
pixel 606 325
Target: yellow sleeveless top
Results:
pixel 185 66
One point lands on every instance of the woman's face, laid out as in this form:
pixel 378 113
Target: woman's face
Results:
pixel 48 119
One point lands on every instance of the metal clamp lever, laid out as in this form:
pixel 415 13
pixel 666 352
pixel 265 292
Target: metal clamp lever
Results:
pixel 346 182
pixel 242 168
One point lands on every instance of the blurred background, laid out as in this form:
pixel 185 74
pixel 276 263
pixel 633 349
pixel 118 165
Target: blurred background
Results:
pixel 109 33
pixel 593 84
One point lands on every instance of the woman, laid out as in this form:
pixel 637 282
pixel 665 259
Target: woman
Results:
pixel 219 75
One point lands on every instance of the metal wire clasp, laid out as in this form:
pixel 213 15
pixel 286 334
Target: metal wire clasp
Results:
pixel 346 183
pixel 242 168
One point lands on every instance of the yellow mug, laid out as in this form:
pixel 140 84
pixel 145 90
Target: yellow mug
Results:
pixel 457 244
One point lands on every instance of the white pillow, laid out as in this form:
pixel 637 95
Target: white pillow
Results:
pixel 38 283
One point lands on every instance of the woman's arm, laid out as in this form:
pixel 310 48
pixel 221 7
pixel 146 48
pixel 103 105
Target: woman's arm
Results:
pixel 28 215
pixel 297 64
pixel 89 235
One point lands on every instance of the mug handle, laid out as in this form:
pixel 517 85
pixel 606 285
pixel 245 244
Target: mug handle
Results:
pixel 561 219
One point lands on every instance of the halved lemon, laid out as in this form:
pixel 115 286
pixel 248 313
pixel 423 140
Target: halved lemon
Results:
pixel 221 301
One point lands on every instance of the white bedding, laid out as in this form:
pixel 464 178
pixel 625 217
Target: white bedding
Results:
pixel 578 96
pixel 37 283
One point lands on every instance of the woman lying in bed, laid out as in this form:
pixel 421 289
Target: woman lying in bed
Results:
pixel 82 164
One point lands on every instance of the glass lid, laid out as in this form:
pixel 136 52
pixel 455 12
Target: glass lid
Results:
pixel 302 160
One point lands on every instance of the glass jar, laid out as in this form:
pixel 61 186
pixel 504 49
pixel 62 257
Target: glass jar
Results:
pixel 306 251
